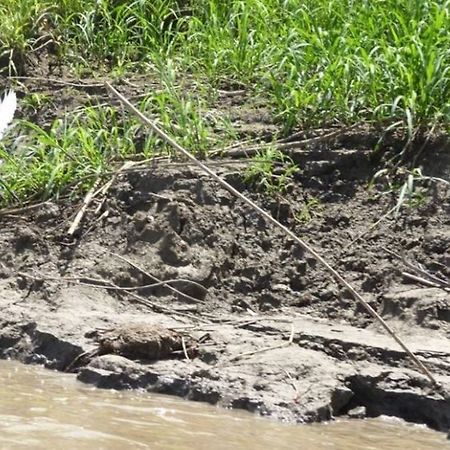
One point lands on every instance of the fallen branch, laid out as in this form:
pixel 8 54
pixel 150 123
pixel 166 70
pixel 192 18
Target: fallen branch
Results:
pixel 286 145
pixel 87 200
pixel 231 93
pixel 160 308
pixel 105 284
pixel 265 349
pixel 292 381
pixel 107 186
pixel 275 222
pixel 110 285
pixel 98 219
pixel 24 209
pixel 93 193
pixel 424 281
pixel 183 344
pixel 152 277
pixel 438 282
pixel 77 83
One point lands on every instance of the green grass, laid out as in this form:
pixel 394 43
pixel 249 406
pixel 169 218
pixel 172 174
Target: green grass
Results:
pixel 41 163
pixel 270 172
pixel 316 62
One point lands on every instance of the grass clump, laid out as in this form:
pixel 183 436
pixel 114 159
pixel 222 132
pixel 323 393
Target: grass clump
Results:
pixel 271 172
pixel 40 163
pixel 180 113
pixel 314 62
pixel 310 209
pixel 318 61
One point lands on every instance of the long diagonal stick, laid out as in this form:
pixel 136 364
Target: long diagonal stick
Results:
pixel 275 222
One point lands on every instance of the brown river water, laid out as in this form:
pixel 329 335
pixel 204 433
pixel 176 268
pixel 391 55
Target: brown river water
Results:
pixel 41 409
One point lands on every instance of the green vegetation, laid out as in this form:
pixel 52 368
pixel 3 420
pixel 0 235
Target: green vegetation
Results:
pixel 406 186
pixel 270 172
pixel 319 60
pixel 314 62
pixel 310 209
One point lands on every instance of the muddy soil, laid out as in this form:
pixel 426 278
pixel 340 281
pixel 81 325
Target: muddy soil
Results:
pixel 276 335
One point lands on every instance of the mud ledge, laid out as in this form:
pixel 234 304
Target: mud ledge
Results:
pixel 176 224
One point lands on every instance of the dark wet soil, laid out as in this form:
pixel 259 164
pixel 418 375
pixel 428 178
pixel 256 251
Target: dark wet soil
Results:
pixel 276 334
pixel 259 290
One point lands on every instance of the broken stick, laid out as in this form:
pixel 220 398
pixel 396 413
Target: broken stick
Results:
pixel 87 200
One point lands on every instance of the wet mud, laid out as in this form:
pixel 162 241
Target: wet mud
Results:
pixel 275 335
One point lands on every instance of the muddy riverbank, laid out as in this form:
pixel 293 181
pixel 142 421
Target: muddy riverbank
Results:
pixel 275 334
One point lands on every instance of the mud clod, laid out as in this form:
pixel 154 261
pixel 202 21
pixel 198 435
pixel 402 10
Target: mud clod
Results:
pixel 147 342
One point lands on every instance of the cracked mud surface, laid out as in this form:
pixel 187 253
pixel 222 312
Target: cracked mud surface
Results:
pixel 278 336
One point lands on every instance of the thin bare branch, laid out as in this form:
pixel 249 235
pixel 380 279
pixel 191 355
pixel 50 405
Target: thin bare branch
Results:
pixel 80 214
pixel 110 285
pixel 163 283
pixel 424 281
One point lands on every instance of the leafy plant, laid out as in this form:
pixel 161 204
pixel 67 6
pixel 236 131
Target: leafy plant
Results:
pixel 36 100
pixel 310 63
pixel 308 210
pixel 404 185
pixel 270 171
pixel 42 163
pixel 318 61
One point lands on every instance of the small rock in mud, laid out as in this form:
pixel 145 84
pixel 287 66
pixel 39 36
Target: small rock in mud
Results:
pixel 47 212
pixel 357 413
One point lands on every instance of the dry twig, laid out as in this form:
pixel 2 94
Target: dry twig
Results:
pixel 424 281
pixel 87 200
pixel 111 286
pixel 265 349
pixel 183 344
pixel 105 284
pixel 287 145
pixel 164 283
pixel 77 84
pixel 24 209
pixel 435 280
